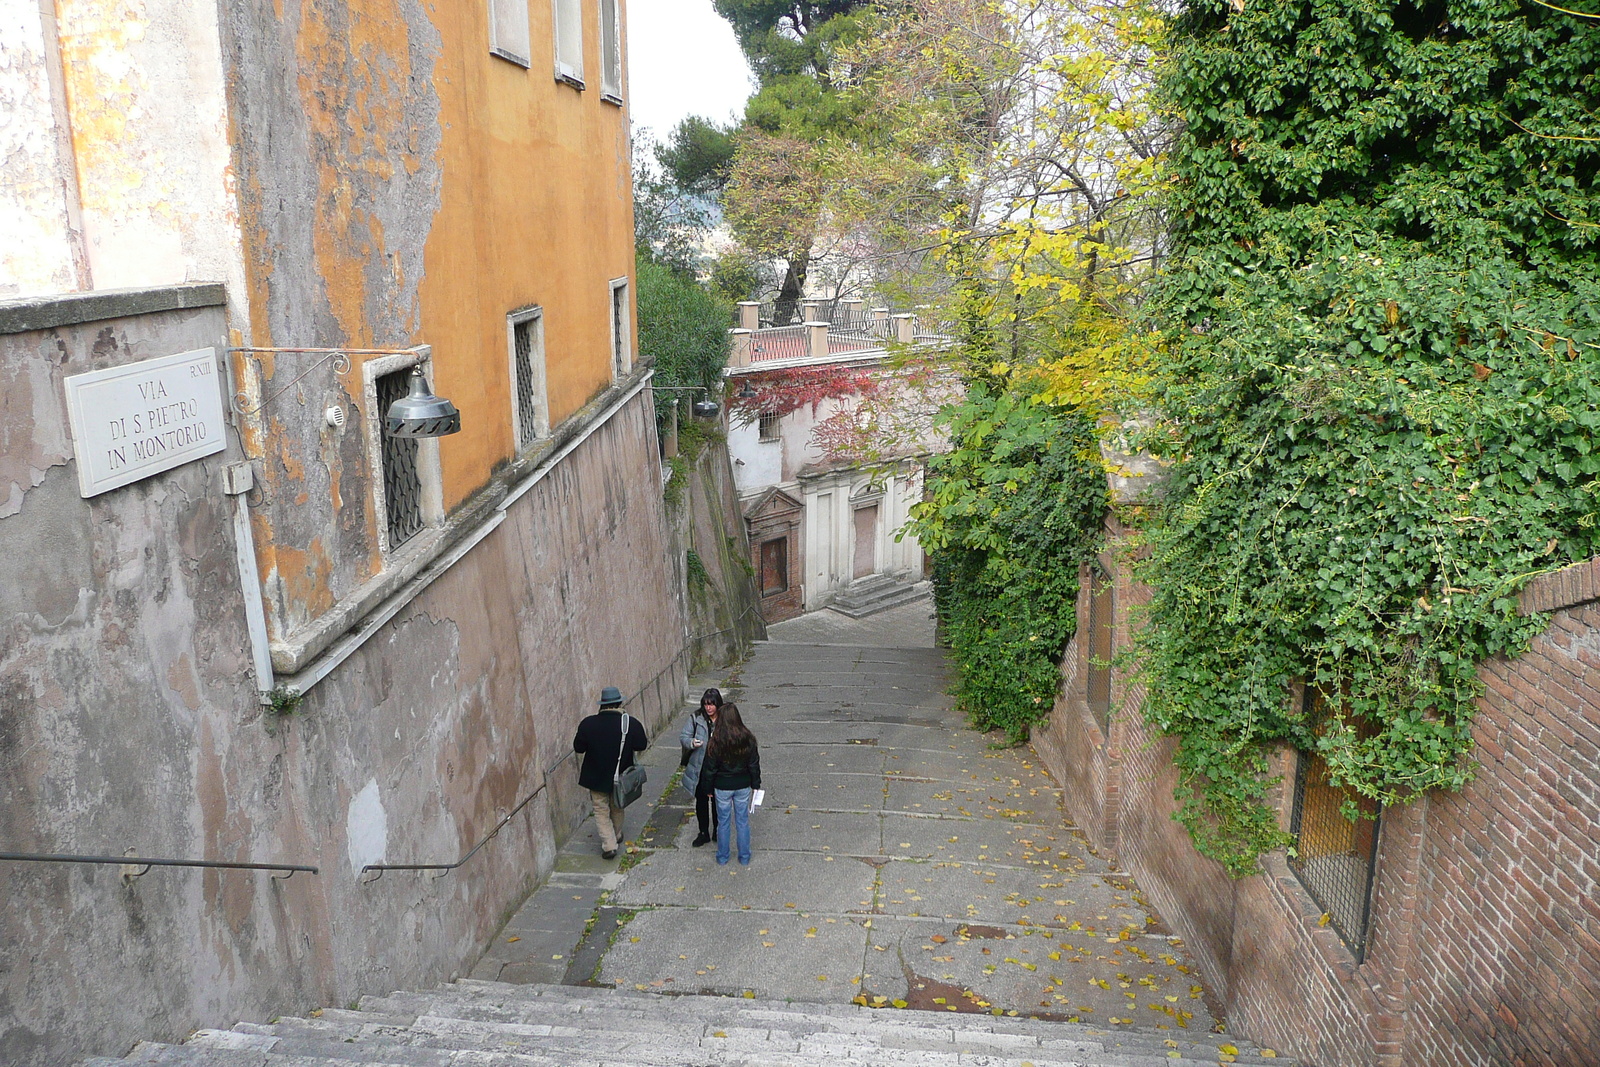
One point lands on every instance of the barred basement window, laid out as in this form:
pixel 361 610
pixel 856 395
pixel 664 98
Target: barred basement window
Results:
pixel 770 421
pixel 1101 646
pixel 1334 858
pixel 530 413
pixel 621 330
pixel 402 485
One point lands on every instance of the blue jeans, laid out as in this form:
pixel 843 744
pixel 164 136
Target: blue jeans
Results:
pixel 733 814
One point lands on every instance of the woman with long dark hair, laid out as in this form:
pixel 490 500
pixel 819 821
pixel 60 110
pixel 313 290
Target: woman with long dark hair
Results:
pixel 694 738
pixel 733 771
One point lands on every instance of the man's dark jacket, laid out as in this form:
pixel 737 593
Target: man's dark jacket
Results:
pixel 598 738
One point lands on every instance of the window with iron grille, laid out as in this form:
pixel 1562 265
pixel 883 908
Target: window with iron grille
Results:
pixel 527 367
pixel 775 566
pixel 1100 639
pixel 569 41
pixel 402 485
pixel 769 423
pixel 621 331
pixel 610 52
pixel 1334 858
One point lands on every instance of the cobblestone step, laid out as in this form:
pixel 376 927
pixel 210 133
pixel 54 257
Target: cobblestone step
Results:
pixel 868 596
pixel 488 1024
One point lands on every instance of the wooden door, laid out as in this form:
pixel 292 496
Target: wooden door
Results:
pixel 866 561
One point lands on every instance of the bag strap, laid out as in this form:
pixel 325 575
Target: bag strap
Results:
pixel 622 746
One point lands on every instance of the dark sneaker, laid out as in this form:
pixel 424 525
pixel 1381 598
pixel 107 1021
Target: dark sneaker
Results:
pixel 703 839
pixel 609 854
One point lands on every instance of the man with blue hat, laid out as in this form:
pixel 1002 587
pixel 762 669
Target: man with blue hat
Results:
pixel 607 741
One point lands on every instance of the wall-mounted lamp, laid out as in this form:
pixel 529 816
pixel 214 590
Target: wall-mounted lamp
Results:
pixel 747 391
pixel 702 409
pixel 421 414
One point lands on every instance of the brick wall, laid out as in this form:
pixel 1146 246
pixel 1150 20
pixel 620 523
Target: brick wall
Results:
pixel 1484 942
pixel 1507 892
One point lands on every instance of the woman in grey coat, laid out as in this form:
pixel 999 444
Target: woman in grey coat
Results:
pixel 695 737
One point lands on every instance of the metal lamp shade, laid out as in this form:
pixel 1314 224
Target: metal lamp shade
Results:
pixel 706 409
pixel 421 414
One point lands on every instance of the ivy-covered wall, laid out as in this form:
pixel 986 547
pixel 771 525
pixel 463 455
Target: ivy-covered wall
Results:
pixel 1382 324
pixel 1011 513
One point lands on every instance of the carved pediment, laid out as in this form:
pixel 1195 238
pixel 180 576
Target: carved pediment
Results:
pixel 774 504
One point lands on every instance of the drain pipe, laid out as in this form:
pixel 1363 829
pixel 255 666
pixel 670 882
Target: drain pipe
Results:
pixel 237 481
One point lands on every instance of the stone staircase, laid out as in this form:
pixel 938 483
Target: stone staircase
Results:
pixel 875 593
pixel 491 1024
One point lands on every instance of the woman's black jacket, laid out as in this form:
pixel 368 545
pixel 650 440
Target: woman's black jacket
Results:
pixel 597 740
pixel 745 774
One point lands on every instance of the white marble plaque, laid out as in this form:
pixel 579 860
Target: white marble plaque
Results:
pixel 144 418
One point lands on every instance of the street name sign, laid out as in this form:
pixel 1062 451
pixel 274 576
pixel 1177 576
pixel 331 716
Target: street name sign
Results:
pixel 137 420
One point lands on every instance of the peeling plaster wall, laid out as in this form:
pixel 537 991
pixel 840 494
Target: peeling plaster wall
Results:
pixel 129 718
pixel 147 118
pixel 399 185
pixel 122 674
pixel 38 185
pixel 337 125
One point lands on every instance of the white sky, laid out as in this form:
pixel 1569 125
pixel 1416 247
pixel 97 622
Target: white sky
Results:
pixel 682 60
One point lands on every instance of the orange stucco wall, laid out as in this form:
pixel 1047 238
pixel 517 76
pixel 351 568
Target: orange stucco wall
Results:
pixel 517 186
pixel 536 209
pixel 398 184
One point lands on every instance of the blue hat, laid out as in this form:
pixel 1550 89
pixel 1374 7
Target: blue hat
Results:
pixel 610 695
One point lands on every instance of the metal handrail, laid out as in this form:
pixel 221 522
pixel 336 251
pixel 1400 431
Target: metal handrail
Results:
pixel 146 863
pixel 490 836
pixel 290 869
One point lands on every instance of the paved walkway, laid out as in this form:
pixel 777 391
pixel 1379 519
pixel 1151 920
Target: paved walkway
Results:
pixel 898 859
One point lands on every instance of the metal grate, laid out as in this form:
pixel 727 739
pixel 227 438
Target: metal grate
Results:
pixel 619 330
pixel 1100 638
pixel 402 486
pixel 527 387
pixel 1335 858
pixel 768 426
